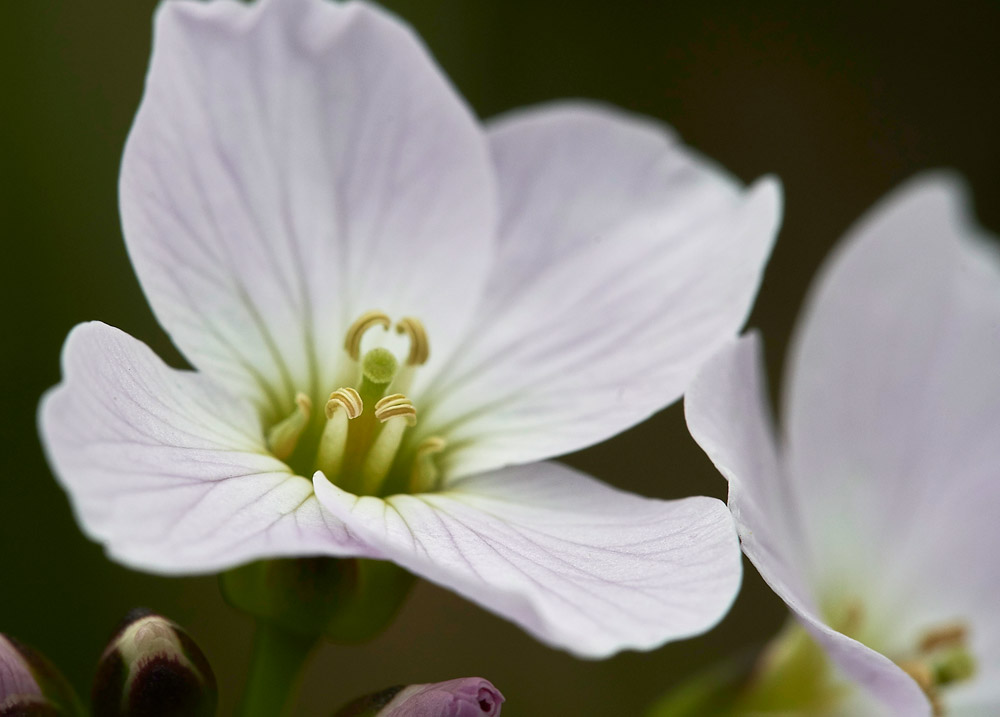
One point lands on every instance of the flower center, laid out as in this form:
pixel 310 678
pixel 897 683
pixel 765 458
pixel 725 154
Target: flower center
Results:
pixel 356 440
pixel 940 659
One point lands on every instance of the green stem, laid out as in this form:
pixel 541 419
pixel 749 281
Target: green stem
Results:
pixel 275 670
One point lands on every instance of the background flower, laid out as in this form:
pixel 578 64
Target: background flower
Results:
pixel 874 514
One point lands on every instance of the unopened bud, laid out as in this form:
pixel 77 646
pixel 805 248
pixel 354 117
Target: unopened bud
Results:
pixel 465 697
pixel 31 686
pixel 153 668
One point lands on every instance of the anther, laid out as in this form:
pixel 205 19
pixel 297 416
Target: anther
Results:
pixel 283 436
pixel 346 398
pixel 352 341
pixel 396 405
pixel 424 472
pixel 944 636
pixel 395 412
pixel 420 348
pixel 343 405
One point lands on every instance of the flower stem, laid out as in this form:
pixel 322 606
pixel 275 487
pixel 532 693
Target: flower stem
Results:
pixel 275 670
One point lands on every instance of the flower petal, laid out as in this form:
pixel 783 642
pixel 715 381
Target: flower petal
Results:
pixel 625 260
pixel 574 562
pixel 892 410
pixel 294 164
pixel 168 471
pixel 727 413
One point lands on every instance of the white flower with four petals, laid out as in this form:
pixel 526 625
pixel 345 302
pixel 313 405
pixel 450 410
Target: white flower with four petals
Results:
pixel 393 315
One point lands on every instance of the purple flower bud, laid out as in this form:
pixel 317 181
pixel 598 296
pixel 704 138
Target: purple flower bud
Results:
pixel 464 697
pixel 152 667
pixel 18 687
pixel 30 686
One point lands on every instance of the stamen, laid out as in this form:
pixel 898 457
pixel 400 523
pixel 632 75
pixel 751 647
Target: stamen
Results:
pixel 420 348
pixel 396 413
pixel 945 636
pixel 396 405
pixel 283 436
pixel 346 398
pixel 424 473
pixel 352 341
pixel 941 659
pixel 344 404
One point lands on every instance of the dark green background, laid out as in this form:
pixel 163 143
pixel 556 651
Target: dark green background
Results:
pixel 842 101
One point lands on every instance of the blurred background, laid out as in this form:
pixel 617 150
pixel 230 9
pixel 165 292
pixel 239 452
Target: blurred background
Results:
pixel 841 100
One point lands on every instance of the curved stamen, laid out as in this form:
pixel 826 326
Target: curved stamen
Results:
pixel 346 398
pixel 344 404
pixel 284 436
pixel 395 412
pixel 424 473
pixel 367 320
pixel 420 347
pixel 396 405
pixel 941 659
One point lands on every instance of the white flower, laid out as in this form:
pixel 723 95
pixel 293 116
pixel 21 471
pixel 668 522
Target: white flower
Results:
pixel 301 179
pixel 874 514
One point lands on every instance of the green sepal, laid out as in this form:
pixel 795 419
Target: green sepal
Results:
pixel 346 600
pixel 791 675
pixel 715 691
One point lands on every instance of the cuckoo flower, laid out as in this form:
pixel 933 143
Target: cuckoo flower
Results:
pixel 393 314
pixel 874 514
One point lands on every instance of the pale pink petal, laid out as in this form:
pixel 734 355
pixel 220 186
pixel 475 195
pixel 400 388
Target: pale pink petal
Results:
pixel 16 679
pixel 168 471
pixel 625 260
pixel 728 414
pixel 574 562
pixel 893 412
pixel 293 164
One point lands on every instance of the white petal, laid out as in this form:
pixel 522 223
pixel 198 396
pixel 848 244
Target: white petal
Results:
pixel 894 409
pixel 625 260
pixel 727 413
pixel 168 471
pixel 294 164
pixel 574 562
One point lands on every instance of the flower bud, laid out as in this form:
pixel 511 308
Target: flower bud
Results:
pixel 152 668
pixel 30 686
pixel 464 697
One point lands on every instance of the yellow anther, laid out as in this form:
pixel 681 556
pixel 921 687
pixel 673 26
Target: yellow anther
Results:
pixel 945 636
pixel 352 341
pixel 395 405
pixel 420 348
pixel 346 398
pixel 430 446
